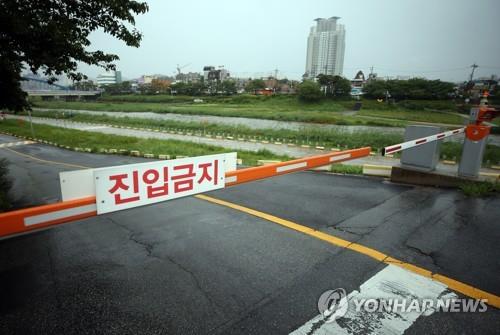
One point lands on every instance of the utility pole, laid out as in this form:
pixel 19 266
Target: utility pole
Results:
pixel 473 66
pixel 31 123
pixel 275 80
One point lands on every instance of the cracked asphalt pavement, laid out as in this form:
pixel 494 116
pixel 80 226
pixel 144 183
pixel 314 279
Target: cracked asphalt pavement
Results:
pixel 188 266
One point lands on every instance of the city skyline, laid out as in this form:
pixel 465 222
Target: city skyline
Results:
pixel 438 40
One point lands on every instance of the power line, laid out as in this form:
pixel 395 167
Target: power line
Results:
pixel 410 71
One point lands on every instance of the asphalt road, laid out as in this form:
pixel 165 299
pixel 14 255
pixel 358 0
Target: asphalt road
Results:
pixel 192 267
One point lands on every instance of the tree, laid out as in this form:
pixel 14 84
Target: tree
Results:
pixel 342 87
pixel 309 91
pixel 256 84
pixel 124 87
pixel 84 85
pixel 160 86
pixel 51 36
pixel 229 87
pixel 334 86
pixel 326 81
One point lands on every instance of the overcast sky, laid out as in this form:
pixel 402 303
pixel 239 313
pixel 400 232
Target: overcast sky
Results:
pixel 431 38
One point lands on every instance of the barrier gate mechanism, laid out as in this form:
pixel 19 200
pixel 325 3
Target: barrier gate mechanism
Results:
pixel 476 137
pixel 81 202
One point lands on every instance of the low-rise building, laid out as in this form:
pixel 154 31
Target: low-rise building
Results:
pixel 109 77
pixel 210 73
pixel 359 80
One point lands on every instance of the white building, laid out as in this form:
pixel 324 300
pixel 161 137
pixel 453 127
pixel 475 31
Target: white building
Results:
pixel 325 48
pixel 109 77
pixel 211 74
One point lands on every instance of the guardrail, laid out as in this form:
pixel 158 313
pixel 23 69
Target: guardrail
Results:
pixel 42 217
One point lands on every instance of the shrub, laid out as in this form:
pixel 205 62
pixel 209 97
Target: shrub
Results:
pixel 309 91
pixel 478 189
pixel 346 169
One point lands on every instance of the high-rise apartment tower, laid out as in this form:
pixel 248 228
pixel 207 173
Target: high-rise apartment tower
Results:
pixel 325 48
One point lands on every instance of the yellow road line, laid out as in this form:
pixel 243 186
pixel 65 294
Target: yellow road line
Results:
pixel 46 161
pixel 453 284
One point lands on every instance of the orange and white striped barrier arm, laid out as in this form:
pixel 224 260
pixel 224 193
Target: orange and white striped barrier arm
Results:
pixel 271 170
pixel 40 217
pixel 420 141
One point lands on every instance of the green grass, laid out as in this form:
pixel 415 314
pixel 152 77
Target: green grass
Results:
pixel 346 169
pixel 226 110
pixel 5 185
pixel 480 189
pixel 420 116
pixel 283 108
pixel 306 135
pixel 97 141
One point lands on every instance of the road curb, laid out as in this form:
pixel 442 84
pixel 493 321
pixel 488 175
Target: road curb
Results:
pixel 377 170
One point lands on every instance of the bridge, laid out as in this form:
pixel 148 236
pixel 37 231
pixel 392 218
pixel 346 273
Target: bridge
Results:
pixel 51 90
pixel 62 93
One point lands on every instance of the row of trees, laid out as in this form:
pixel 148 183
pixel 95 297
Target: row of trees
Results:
pixel 327 86
pixel 226 87
pixel 339 87
pixel 159 86
pixel 416 88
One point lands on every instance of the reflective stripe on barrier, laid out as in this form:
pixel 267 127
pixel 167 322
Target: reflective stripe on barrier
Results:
pixel 420 141
pixel 39 217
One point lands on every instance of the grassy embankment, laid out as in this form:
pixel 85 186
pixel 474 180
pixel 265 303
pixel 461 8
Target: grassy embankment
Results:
pixel 283 108
pixel 307 135
pixel 98 142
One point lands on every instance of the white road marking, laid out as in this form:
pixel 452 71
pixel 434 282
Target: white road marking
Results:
pixel 13 144
pixel 390 283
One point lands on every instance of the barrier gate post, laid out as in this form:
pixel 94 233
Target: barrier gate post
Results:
pixel 423 157
pixel 476 138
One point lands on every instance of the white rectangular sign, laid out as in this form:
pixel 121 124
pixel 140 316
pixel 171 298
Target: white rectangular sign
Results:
pixel 127 186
